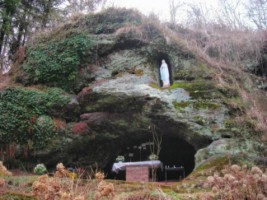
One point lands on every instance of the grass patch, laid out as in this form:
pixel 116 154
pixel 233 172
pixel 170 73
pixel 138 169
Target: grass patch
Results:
pixel 18 180
pixel 17 196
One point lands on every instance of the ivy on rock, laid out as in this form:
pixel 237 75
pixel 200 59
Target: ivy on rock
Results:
pixel 57 62
pixel 25 115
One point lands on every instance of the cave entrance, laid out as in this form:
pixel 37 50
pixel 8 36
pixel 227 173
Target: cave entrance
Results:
pixel 174 152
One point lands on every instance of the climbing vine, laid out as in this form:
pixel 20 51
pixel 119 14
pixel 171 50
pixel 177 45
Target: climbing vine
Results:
pixel 56 62
pixel 25 115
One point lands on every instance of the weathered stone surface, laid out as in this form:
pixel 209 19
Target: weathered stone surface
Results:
pixel 120 97
pixel 94 118
pixel 245 150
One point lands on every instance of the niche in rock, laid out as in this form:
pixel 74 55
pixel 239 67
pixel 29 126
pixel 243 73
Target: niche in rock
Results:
pixel 174 152
pixel 159 58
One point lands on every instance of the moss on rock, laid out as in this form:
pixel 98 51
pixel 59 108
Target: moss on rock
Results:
pixel 199 89
pixel 191 69
pixel 215 163
pixel 198 105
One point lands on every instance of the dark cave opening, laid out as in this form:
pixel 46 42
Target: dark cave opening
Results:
pixel 174 152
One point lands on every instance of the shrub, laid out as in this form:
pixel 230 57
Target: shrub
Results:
pixel 238 183
pixel 57 62
pixel 4 171
pixel 25 115
pixel 40 169
pixel 80 128
pixel 103 189
pixel 60 186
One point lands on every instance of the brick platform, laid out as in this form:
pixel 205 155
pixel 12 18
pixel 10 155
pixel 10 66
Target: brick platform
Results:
pixel 137 173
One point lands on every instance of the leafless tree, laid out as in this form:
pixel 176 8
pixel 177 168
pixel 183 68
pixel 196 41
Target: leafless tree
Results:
pixel 197 15
pixel 175 5
pixel 231 13
pixel 257 12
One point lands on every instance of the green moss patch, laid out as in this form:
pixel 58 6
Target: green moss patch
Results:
pixel 192 70
pixel 206 105
pixel 197 105
pixel 199 119
pixel 214 163
pixel 139 72
pixel 181 105
pixel 155 86
pixel 197 89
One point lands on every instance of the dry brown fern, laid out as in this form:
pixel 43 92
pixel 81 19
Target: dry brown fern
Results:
pixel 104 189
pixel 4 171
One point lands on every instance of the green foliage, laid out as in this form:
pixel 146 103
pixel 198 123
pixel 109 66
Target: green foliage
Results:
pixel 24 115
pixel 44 130
pixel 56 63
pixel 40 169
pixel 7 9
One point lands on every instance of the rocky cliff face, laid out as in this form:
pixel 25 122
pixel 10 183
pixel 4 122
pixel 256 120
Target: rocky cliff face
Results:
pixel 108 64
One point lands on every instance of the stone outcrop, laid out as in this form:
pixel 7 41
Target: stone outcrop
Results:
pixel 121 98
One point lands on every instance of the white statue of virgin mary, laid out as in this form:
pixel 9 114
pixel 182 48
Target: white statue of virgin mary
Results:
pixel 164 74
